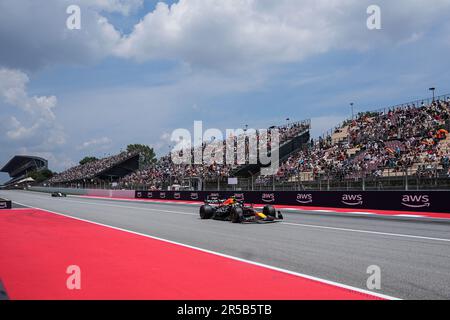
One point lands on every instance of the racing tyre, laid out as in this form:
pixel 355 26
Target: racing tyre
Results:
pixel 269 211
pixel 237 215
pixel 206 212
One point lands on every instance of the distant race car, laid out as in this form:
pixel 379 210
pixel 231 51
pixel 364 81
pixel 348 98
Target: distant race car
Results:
pixel 58 194
pixel 236 211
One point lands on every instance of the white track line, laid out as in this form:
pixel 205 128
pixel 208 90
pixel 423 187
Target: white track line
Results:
pixel 364 213
pixel 332 283
pixel 408 215
pixel 129 207
pixel 398 235
pixel 366 231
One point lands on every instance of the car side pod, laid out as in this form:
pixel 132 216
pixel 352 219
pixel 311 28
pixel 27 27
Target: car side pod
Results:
pixel 206 212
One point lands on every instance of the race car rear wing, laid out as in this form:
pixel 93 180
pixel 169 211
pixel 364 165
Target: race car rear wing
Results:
pixel 213 199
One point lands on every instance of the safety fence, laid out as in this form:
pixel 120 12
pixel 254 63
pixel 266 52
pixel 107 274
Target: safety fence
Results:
pixel 430 201
pixel 417 201
pixel 108 193
pixel 392 180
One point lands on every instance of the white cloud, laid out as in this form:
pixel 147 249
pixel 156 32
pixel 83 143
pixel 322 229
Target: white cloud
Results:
pixel 43 129
pixel 13 90
pixel 238 33
pixel 98 144
pixel 19 132
pixel 34 35
pixel 208 34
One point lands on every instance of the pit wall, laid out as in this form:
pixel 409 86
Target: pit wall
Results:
pixel 88 192
pixel 416 201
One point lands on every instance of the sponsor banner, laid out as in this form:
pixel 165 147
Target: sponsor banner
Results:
pixel 5 204
pixel 304 198
pixel 426 201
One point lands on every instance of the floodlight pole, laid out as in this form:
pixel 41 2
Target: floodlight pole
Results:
pixel 433 90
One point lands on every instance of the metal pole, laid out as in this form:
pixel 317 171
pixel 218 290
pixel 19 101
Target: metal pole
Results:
pixel 406 179
pixel 432 90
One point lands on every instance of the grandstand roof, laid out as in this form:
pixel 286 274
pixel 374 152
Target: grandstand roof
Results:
pixel 122 168
pixel 21 164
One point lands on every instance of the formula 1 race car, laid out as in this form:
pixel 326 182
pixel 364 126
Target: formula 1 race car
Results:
pixel 58 194
pixel 236 211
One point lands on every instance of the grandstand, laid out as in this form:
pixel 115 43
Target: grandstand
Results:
pixel 164 173
pixel 293 137
pixel 97 172
pixel 408 141
pixel 20 166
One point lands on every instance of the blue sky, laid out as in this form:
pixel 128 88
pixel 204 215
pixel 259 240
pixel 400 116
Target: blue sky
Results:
pixel 136 70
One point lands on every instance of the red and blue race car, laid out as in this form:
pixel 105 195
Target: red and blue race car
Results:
pixel 236 211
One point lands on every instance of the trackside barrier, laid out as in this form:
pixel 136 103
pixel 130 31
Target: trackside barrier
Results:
pixel 5 204
pixel 418 201
pixel 426 201
pixel 75 191
pixel 111 193
pixel 88 192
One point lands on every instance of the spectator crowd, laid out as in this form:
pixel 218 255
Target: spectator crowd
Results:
pixel 374 141
pixel 91 169
pixel 165 171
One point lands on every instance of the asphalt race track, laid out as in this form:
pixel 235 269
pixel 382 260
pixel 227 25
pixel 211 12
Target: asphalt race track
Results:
pixel 414 256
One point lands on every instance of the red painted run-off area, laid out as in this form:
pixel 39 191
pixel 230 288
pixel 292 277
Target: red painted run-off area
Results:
pixel 36 247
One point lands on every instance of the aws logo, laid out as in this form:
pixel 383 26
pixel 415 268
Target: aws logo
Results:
pixel 268 197
pixel 352 199
pixel 150 195
pixel 304 198
pixel 194 196
pixel 177 195
pixel 416 201
pixel 239 196
pixel 3 205
pixel 162 195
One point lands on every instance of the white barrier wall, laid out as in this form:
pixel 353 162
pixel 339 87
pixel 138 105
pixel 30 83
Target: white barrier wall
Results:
pixel 111 193
pixel 88 192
